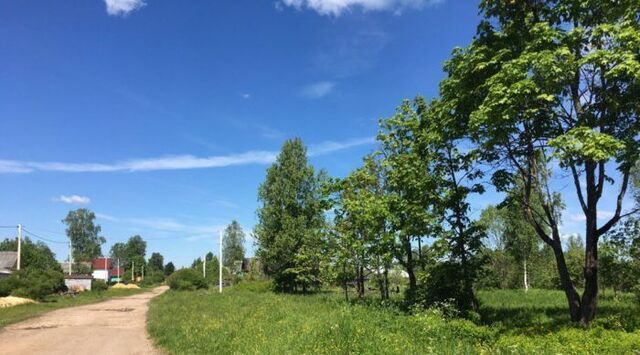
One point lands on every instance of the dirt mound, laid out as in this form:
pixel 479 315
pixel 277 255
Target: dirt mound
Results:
pixel 11 301
pixel 119 285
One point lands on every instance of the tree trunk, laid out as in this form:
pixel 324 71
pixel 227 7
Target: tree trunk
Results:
pixel 420 252
pixel 345 285
pixel 526 278
pixel 590 295
pixel 409 265
pixel 565 282
pixel 386 283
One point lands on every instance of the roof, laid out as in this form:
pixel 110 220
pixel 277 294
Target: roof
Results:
pixel 8 259
pixel 99 263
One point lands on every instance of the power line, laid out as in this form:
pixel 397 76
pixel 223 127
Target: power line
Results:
pixel 9 227
pixel 42 238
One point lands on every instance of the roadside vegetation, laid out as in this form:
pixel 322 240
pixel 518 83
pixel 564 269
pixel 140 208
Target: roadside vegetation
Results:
pixel 249 318
pixel 52 302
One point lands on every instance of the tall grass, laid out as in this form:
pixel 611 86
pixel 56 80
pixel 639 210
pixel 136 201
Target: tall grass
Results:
pixel 249 319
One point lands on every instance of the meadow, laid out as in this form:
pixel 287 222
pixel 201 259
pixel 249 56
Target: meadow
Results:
pixel 18 313
pixel 250 319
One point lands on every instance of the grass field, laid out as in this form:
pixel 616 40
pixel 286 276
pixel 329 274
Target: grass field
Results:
pixel 248 319
pixel 22 312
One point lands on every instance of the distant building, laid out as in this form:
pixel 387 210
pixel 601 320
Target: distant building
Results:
pixel 107 270
pixel 8 263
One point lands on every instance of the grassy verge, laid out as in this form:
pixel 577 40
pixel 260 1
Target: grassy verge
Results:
pixel 18 313
pixel 250 320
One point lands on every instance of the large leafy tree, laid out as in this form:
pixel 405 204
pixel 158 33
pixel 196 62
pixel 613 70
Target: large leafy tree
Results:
pixel 291 228
pixel 554 78
pixel 411 189
pixel 233 245
pixel 84 234
pixel 363 243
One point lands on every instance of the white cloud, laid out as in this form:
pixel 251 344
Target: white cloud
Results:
pixel 337 7
pixel 174 162
pixel 246 96
pixel 330 147
pixel 318 90
pixel 123 7
pixel 73 199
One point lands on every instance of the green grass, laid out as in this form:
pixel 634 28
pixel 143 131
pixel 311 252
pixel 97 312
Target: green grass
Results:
pixel 248 319
pixel 18 313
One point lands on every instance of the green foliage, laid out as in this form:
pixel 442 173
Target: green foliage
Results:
pixel 156 262
pixel 36 255
pixel 186 280
pixel 291 227
pixel 131 253
pixel 169 269
pixel 83 234
pixel 33 283
pixel 233 246
pixel 99 285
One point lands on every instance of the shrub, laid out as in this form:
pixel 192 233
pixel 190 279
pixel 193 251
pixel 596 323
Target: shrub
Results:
pixel 636 292
pixel 186 280
pixel 36 284
pixel 99 285
pixel 5 287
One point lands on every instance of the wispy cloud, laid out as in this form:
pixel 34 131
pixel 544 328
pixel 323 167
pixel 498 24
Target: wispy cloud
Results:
pixel 72 199
pixel 123 7
pixel 174 162
pixel 338 7
pixel 159 228
pixel 318 90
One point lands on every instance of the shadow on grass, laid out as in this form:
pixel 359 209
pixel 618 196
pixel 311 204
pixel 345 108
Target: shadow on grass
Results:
pixel 615 314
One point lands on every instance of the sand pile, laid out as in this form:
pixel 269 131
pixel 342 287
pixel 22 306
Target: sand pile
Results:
pixel 119 285
pixel 11 301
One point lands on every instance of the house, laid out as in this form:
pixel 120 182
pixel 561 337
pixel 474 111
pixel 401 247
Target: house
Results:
pixel 8 262
pixel 106 270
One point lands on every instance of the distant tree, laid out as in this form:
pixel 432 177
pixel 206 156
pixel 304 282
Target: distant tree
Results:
pixel 35 256
pixel 83 234
pixel 156 261
pixel 131 253
pixel 291 227
pixel 233 245
pixel 169 269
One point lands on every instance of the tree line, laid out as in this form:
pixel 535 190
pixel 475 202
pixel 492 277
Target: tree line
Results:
pixel 546 93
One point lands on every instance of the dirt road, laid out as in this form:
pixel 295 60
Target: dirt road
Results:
pixel 116 326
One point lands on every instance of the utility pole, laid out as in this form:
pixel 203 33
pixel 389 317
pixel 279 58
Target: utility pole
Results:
pixel 70 256
pixel 118 270
pixel 142 272
pixel 220 266
pixel 133 267
pixel 19 246
pixel 204 266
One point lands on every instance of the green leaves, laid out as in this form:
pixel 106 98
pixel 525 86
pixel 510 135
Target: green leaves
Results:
pixel 587 144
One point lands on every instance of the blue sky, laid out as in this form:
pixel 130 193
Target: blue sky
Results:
pixel 162 116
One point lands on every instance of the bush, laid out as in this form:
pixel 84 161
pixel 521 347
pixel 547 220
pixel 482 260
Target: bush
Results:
pixel 186 280
pixel 35 284
pixel 99 285
pixel 5 287
pixel 636 292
